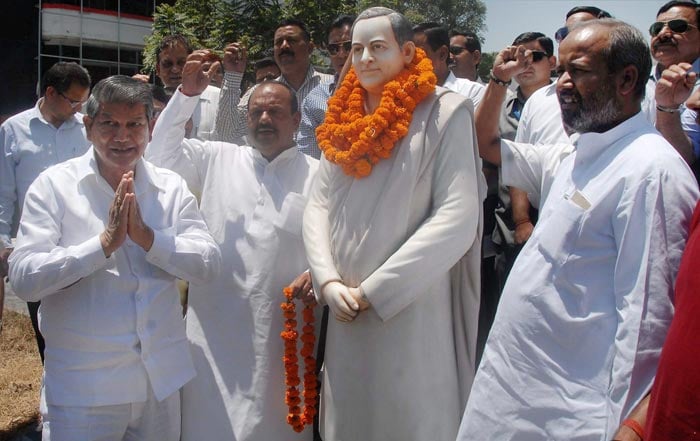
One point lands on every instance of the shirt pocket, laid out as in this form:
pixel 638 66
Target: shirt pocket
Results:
pixel 560 232
pixel 291 214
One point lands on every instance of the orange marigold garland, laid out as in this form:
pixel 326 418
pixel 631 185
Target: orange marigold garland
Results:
pixel 298 417
pixel 356 141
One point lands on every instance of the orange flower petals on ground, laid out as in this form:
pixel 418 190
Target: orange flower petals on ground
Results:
pixel 299 417
pixel 356 141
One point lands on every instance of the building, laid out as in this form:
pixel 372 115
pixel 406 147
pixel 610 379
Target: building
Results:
pixel 105 36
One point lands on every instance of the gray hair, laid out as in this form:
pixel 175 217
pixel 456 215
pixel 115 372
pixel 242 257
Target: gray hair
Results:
pixel 403 31
pixel 626 47
pixel 120 89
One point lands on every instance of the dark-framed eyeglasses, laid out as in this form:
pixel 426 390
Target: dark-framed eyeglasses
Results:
pixel 456 50
pixel 561 34
pixel 73 104
pixel 334 48
pixel 538 56
pixel 677 26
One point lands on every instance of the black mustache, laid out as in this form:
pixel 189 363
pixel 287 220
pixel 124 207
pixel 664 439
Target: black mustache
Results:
pixel 665 40
pixel 287 52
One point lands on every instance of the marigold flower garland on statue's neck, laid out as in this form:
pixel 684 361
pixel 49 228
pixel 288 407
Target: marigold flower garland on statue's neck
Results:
pixel 356 141
pixel 298 417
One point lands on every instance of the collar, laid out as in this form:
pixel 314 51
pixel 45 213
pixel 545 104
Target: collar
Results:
pixel 310 73
pixel 76 118
pixel 591 145
pixel 450 80
pixel 282 158
pixel 144 175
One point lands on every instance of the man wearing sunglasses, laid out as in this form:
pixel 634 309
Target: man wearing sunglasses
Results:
pixel 465 53
pixel 675 39
pixel 32 141
pixel 313 109
pixel 292 48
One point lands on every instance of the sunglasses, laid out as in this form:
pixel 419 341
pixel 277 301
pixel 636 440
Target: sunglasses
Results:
pixel 73 104
pixel 538 56
pixel 334 48
pixel 676 26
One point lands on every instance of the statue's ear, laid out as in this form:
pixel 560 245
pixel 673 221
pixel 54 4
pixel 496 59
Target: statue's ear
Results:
pixel 408 51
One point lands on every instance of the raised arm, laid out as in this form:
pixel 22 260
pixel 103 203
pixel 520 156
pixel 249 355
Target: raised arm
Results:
pixel 672 90
pixel 509 62
pixel 231 124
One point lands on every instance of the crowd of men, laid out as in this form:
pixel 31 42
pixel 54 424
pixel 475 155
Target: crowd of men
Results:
pixel 508 266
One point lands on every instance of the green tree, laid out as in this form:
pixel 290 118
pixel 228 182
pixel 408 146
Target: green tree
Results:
pixel 486 64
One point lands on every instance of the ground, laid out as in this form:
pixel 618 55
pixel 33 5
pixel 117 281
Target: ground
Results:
pixel 20 375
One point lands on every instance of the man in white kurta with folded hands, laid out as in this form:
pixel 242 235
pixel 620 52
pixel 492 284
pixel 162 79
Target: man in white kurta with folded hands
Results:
pixel 392 233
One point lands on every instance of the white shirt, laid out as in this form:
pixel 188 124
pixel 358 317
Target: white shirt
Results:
pixel 470 89
pixel 28 145
pixel 253 208
pixel 204 115
pixel 111 324
pixel 540 122
pixel 585 311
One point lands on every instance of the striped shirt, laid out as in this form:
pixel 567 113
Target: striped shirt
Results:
pixel 231 119
pixel 313 112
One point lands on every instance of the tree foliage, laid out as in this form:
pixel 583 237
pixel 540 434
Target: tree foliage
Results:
pixel 486 64
pixel 214 23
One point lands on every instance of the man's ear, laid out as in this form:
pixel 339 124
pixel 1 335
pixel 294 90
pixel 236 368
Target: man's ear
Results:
pixel 627 80
pixel 444 53
pixel 476 56
pixel 552 62
pixel 88 125
pixel 408 51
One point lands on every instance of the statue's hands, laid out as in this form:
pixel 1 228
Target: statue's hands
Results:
pixel 341 303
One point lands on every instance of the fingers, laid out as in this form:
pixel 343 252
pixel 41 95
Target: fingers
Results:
pixel 235 57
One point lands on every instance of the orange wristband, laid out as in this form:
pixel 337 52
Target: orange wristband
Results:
pixel 523 221
pixel 635 426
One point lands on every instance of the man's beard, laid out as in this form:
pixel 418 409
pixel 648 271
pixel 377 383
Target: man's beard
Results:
pixel 598 113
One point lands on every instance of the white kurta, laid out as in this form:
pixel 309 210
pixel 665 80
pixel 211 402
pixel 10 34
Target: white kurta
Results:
pixel 402 370
pixel 253 209
pixel 584 313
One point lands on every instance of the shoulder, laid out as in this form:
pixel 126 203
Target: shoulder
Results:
pixel 20 119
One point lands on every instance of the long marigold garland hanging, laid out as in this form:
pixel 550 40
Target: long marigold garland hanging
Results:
pixel 357 141
pixel 298 417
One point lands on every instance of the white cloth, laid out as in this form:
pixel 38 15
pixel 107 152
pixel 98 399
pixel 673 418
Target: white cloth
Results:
pixel 584 313
pixel 470 89
pixel 110 324
pixel 150 420
pixel 540 121
pixel 535 167
pixel 410 235
pixel 204 115
pixel 29 145
pixel 254 210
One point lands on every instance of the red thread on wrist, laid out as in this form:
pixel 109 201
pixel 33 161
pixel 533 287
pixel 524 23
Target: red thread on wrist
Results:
pixel 635 426
pixel 524 221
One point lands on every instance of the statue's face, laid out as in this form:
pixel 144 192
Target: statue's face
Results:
pixel 376 55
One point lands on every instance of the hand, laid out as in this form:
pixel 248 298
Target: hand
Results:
pixel 4 255
pixel 138 231
pixel 359 295
pixel 142 77
pixel 340 301
pixel 303 288
pixel 235 57
pixel 523 231
pixel 511 61
pixel 675 85
pixel 115 234
pixel 624 433
pixel 194 78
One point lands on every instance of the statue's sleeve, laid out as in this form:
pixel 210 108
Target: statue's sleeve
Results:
pixel 316 230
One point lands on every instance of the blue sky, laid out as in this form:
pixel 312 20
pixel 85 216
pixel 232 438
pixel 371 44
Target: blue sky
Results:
pixel 505 19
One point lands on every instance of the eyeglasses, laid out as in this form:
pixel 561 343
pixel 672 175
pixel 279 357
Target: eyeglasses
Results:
pixel 677 26
pixel 73 104
pixel 538 56
pixel 334 48
pixel 456 50
pixel 561 34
